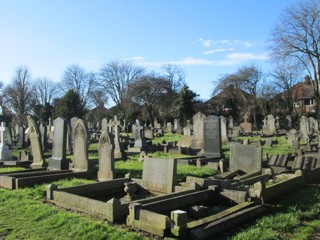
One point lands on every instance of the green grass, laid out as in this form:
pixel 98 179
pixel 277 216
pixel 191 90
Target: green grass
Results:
pixel 168 137
pixel 25 215
pixel 297 218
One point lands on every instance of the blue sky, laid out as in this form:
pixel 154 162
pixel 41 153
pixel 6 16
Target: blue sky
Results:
pixel 207 38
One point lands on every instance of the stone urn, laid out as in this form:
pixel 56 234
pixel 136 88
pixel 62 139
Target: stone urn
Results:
pixel 130 188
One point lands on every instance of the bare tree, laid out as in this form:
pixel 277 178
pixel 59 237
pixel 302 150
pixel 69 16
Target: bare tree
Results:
pixel 81 82
pixel 149 91
pixel 297 36
pixel 20 94
pixel 115 77
pixel 285 77
pixel 175 75
pixel 45 90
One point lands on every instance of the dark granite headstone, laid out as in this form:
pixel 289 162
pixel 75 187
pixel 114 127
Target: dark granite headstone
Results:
pixel 212 136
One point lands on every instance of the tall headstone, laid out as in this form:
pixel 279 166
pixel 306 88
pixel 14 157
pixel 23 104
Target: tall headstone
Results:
pixel 80 151
pixel 139 140
pixel 271 124
pixel 104 124
pixel 36 148
pixel 230 122
pixel 288 122
pixel 117 148
pixel 314 126
pixel 176 125
pixel 5 152
pixel 21 137
pixel 223 125
pixel 247 158
pixel 212 136
pixel 198 133
pixel 277 123
pixel 106 157
pixel 304 128
pixel 58 160
pixel 169 127
pixel 43 137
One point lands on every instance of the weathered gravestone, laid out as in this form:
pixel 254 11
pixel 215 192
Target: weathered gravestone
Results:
pixel 314 126
pixel 247 158
pixel 117 148
pixel 288 122
pixel 5 152
pixel 43 137
pixel 198 133
pixel 80 152
pixel 106 157
pixel 169 127
pixel 58 160
pixel 304 128
pixel 246 126
pixel 176 125
pixel 21 137
pixel 212 136
pixel 223 124
pixel 104 124
pixel 230 122
pixel 36 148
pixel 159 174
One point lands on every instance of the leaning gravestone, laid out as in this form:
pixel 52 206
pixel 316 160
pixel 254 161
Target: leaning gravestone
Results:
pixel 58 160
pixel 247 158
pixel 80 151
pixel 198 133
pixel 36 148
pixel 212 136
pixel 159 174
pixel 106 157
pixel 5 152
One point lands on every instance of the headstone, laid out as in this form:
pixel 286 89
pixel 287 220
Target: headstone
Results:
pixel 314 126
pixel 224 135
pixel 304 128
pixel 288 122
pixel 8 136
pixel 176 125
pixel 292 136
pixel 187 131
pixel 5 152
pixel 247 158
pixel 106 157
pixel 21 137
pixel 148 134
pixel 58 160
pixel 198 133
pixel 104 124
pixel 80 151
pixel 246 125
pixel 139 140
pixel 212 136
pixel 43 137
pixel 159 174
pixel 271 124
pixel 277 123
pixel 117 148
pixel 169 127
pixel 36 148
pixel 230 122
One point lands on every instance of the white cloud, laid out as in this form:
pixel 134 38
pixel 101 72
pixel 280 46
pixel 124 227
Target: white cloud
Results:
pixel 224 42
pixel 193 61
pixel 206 43
pixel 210 52
pixel 247 56
pixel 136 58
